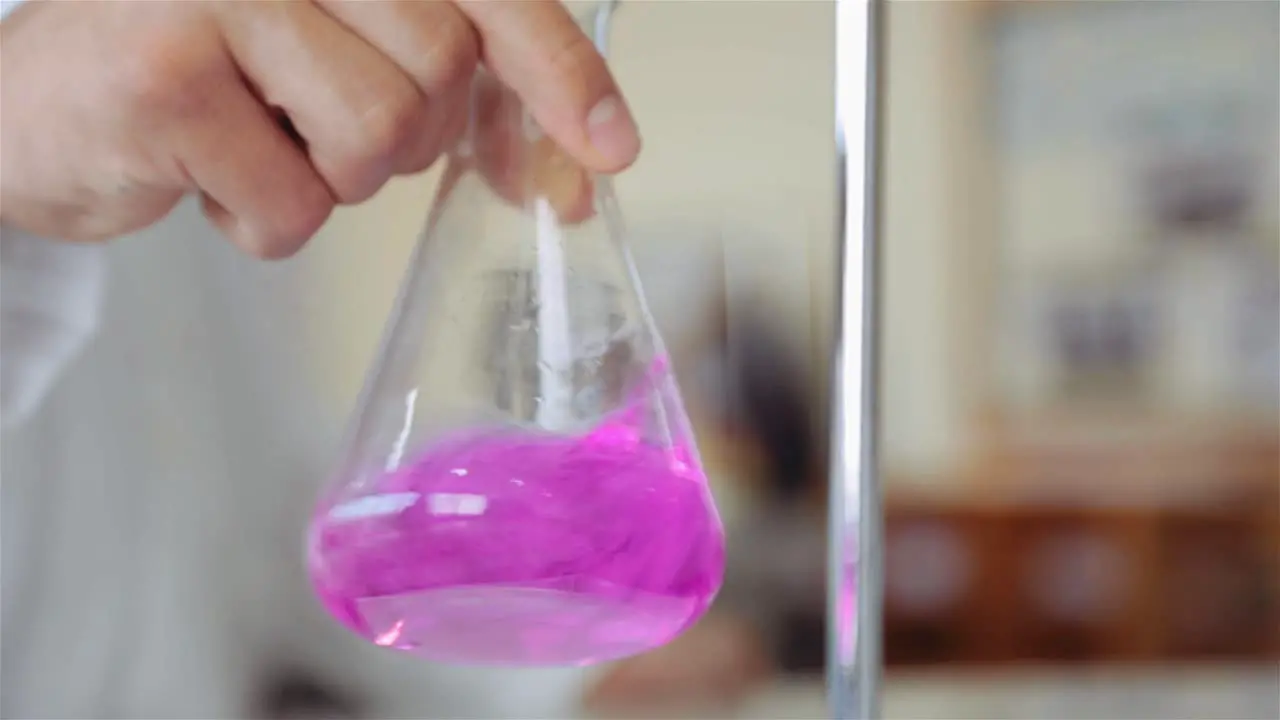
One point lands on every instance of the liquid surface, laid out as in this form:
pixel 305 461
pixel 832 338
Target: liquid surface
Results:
pixel 515 548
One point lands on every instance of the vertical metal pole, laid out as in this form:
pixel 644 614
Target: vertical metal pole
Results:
pixel 855 578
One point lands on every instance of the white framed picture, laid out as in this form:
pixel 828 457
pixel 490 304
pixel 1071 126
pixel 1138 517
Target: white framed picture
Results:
pixel 1136 171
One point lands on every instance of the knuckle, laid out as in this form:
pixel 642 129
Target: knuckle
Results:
pixel 290 226
pixel 168 77
pixel 273 247
pixel 306 219
pixel 418 158
pixel 453 55
pixel 390 124
pixel 264 246
pixel 380 136
pixel 575 62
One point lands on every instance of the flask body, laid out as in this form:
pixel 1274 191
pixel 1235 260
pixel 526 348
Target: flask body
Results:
pixel 520 484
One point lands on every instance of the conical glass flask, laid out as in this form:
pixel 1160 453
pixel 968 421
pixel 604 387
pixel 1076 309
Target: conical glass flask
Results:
pixel 520 485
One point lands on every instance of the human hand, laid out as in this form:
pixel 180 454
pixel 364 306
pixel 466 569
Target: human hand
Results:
pixel 114 111
pixel 520 168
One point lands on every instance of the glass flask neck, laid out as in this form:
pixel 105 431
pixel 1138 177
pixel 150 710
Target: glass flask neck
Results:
pixel 526 168
pixel 491 104
pixel 542 237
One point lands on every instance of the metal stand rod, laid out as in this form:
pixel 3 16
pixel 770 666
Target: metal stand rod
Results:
pixel 855 577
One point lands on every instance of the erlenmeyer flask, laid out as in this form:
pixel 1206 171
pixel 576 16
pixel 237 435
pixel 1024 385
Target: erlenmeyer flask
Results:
pixel 520 484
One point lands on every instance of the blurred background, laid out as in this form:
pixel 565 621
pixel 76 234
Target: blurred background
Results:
pixel 1081 382
pixel 1081 365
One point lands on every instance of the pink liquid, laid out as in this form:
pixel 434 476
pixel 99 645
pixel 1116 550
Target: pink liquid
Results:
pixel 516 548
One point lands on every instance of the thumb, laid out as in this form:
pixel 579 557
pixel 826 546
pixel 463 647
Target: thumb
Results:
pixel 538 51
pixel 521 170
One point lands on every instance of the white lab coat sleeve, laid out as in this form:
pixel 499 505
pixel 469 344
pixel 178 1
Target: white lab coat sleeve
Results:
pixel 50 299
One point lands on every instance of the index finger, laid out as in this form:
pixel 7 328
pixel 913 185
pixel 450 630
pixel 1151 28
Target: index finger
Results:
pixel 537 49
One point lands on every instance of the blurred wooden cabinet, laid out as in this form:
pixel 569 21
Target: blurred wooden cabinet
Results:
pixel 1218 586
pixel 1063 585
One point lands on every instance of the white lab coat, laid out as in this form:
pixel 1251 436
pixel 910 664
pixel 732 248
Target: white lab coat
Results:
pixel 160 455
pixel 154 501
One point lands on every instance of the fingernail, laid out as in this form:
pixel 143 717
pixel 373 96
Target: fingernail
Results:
pixel 612 131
